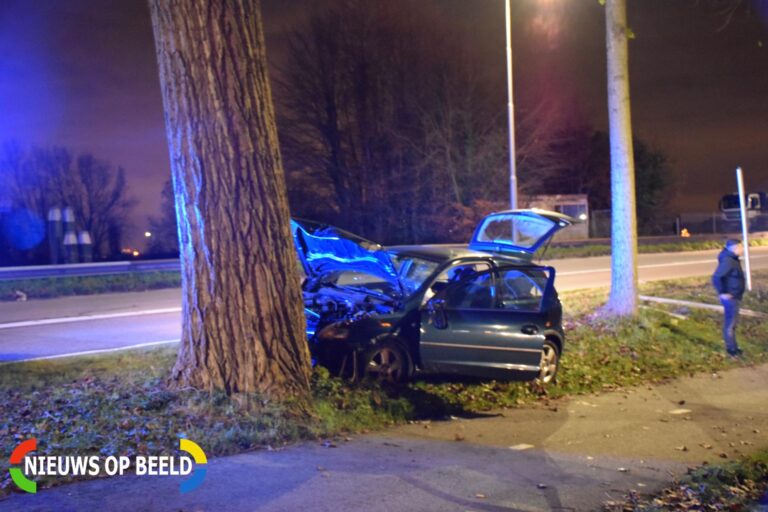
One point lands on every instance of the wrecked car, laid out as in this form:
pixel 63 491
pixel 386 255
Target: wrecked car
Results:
pixel 482 310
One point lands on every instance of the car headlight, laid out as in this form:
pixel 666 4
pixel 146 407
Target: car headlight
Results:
pixel 334 332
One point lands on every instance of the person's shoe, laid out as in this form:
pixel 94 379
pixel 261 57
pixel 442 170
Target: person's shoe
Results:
pixel 735 353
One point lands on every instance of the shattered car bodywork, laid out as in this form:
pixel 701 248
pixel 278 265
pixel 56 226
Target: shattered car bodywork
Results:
pixel 482 310
pixel 346 276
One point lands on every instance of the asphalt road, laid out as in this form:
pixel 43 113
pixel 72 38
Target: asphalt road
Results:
pixel 76 325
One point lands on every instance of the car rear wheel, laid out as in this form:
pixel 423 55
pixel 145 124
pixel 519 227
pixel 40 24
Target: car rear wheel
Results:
pixel 387 361
pixel 550 359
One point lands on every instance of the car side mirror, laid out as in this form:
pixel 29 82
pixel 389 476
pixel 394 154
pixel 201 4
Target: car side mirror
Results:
pixel 436 311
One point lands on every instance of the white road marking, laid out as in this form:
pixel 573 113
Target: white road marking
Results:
pixel 91 352
pixel 86 318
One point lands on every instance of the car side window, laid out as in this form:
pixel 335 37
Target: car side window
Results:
pixel 454 274
pixel 522 289
pixel 475 291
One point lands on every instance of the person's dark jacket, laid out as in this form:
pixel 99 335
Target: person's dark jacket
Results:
pixel 729 277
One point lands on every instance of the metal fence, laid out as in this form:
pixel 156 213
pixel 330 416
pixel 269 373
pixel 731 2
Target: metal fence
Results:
pixel 709 223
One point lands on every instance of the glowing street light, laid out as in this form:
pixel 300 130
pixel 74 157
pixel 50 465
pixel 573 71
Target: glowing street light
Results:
pixel 147 234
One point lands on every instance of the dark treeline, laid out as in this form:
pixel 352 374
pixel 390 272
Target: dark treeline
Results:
pixel 391 127
pixel 36 180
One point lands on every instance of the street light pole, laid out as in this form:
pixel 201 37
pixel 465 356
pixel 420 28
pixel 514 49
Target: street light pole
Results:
pixel 510 111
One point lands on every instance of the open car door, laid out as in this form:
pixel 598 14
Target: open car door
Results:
pixel 490 324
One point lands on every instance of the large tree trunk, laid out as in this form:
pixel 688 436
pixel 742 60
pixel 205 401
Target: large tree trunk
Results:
pixel 623 298
pixel 243 320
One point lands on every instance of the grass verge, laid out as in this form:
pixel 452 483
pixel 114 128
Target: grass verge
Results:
pixel 118 404
pixel 737 485
pixel 49 287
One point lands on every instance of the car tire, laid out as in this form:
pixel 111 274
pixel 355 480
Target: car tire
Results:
pixel 387 361
pixel 550 361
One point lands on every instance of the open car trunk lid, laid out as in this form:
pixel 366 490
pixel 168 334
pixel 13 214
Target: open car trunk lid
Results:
pixel 518 233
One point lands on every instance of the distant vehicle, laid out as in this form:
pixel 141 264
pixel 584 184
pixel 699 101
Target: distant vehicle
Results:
pixel 482 310
pixel 756 205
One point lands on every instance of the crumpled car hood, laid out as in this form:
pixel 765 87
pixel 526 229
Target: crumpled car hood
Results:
pixel 325 249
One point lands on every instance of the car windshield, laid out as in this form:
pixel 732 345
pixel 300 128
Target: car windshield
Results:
pixel 412 271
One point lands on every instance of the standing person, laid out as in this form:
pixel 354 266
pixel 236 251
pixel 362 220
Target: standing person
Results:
pixel 728 280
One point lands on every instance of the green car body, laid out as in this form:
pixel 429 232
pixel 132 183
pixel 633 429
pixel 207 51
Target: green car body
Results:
pixel 483 310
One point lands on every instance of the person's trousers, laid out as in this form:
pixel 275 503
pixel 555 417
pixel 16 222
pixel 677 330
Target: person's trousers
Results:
pixel 731 310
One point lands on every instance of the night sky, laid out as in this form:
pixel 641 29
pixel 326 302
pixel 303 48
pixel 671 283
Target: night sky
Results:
pixel 82 74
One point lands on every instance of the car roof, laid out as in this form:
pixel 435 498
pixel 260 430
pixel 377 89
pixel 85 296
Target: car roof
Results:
pixel 443 252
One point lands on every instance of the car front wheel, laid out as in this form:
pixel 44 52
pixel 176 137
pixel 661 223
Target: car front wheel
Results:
pixel 387 361
pixel 550 359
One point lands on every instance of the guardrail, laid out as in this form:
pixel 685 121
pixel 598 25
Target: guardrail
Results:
pixel 88 269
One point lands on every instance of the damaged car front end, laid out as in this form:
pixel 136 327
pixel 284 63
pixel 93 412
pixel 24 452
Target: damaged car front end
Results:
pixel 349 283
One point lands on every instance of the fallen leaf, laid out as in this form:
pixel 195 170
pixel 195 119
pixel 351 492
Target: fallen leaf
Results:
pixel 521 446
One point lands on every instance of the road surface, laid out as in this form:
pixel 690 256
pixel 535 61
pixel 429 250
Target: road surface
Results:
pixel 88 324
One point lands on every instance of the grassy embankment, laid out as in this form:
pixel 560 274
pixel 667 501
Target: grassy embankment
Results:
pixel 50 287
pixel 736 485
pixel 119 404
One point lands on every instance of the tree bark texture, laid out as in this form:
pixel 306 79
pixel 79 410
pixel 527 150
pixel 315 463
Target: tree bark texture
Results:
pixel 243 318
pixel 623 297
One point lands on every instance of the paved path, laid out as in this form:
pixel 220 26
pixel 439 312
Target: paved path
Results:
pixel 569 455
pixel 155 315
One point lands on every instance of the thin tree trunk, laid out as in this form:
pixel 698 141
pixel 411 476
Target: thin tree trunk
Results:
pixel 243 320
pixel 623 296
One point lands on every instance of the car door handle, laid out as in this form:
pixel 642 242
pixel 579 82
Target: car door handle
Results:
pixel 530 329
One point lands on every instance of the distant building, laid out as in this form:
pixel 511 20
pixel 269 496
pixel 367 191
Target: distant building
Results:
pixel 574 205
